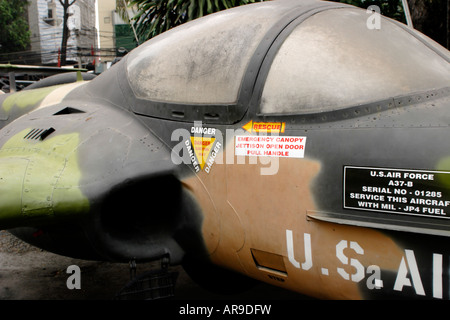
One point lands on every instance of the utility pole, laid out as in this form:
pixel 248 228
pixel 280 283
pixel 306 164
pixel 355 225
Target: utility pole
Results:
pixel 66 4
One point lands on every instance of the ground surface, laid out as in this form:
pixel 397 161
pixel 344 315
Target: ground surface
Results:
pixel 28 273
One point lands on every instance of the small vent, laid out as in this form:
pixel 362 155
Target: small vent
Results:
pixel 68 110
pixel 211 116
pixel 269 262
pixel 41 134
pixel 178 114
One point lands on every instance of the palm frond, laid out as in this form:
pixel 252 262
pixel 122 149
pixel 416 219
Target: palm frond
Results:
pixel 156 16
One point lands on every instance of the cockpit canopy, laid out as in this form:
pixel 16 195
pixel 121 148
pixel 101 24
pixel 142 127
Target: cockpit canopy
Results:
pixel 292 57
pixel 203 61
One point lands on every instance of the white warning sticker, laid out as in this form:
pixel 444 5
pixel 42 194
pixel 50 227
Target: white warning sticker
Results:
pixel 268 146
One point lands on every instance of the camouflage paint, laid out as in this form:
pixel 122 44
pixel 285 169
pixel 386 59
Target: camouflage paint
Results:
pixel 261 226
pixel 45 183
pixel 26 99
pixel 444 165
pixel 238 202
pixel 60 92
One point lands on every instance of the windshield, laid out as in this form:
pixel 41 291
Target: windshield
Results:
pixel 205 60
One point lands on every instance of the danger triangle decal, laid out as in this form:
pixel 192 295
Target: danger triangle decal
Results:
pixel 202 147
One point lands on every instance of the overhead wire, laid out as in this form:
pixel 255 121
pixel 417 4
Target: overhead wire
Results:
pixel 72 50
pixel 103 52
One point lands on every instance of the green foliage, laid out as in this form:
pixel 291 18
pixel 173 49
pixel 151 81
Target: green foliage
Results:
pixel 14 30
pixel 157 16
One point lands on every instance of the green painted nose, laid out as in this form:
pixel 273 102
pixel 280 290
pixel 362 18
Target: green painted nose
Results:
pixel 40 180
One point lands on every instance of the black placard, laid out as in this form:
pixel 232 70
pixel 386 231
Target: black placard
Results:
pixel 400 191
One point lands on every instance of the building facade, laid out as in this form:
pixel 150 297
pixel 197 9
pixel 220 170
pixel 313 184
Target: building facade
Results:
pixel 115 36
pixel 46 22
pixel 106 41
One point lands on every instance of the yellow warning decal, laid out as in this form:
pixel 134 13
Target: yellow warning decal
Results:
pixel 266 127
pixel 202 147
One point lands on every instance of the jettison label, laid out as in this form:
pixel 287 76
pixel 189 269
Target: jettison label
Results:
pixel 412 192
pixel 270 146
